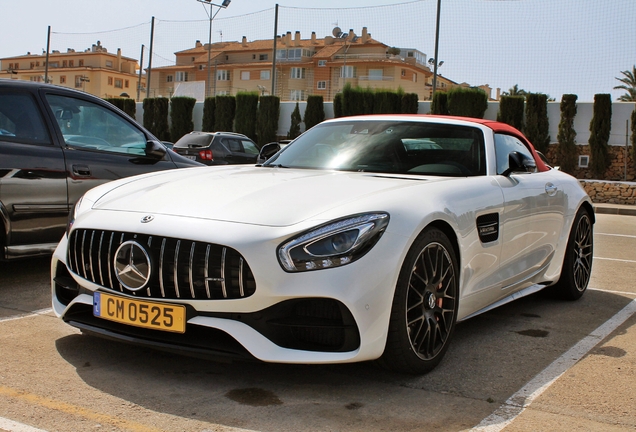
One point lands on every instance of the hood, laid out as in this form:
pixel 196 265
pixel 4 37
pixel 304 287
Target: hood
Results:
pixel 248 194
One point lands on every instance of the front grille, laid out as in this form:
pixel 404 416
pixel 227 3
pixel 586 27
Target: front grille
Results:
pixel 180 269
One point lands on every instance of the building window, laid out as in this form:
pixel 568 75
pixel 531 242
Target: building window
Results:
pixel 322 85
pixel 348 72
pixel 63 79
pixel 584 161
pixel 223 75
pixel 265 74
pixel 375 74
pixel 64 63
pixel 181 76
pixel 51 64
pixel 414 77
pixel 169 78
pixel 297 73
pixel 109 63
pixel 32 65
pixel 81 63
pixel 71 63
pixel 297 95
pixel 322 63
pixel 263 56
pixel 223 93
pixel 201 67
pixel 79 81
pixel 110 80
pixel 403 72
pixel 281 54
pixel 245 75
pixel 126 83
pixel 119 83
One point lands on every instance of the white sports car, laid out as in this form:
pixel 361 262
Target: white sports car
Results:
pixel 367 238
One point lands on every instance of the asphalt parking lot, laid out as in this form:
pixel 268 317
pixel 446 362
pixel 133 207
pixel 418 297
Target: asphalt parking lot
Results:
pixel 535 364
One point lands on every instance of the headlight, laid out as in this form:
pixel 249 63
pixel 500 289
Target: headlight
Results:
pixel 333 244
pixel 73 214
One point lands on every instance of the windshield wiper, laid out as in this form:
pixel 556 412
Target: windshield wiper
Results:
pixel 275 166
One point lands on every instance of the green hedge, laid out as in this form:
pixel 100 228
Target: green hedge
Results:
pixel 566 137
pixel 410 103
pixel 181 116
pixel 439 104
pixel 600 127
pixel 537 128
pixel 129 106
pixel 209 107
pixel 245 118
pixel 224 113
pixel 155 117
pixel 467 102
pixel 387 102
pixel 338 109
pixel 314 112
pixel 511 111
pixel 267 119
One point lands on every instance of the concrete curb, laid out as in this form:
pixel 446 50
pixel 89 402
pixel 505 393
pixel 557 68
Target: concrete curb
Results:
pixel 616 209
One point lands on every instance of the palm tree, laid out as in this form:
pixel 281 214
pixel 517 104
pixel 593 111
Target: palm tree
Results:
pixel 629 85
pixel 515 91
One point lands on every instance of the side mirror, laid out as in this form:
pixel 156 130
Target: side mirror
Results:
pixel 267 151
pixel 520 163
pixel 155 150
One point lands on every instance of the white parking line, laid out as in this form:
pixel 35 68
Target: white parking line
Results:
pixel 519 401
pixel 614 259
pixel 27 315
pixel 12 426
pixel 616 235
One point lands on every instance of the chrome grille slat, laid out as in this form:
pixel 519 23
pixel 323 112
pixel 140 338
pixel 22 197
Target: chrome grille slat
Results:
pixel 211 271
pixel 176 269
pixel 223 286
pixel 190 265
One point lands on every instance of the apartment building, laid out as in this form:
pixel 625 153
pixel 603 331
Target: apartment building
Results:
pixel 94 70
pixel 302 67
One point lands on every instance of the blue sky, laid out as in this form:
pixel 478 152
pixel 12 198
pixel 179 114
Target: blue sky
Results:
pixel 548 46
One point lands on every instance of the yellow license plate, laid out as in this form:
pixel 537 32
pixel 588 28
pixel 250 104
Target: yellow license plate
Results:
pixel 140 313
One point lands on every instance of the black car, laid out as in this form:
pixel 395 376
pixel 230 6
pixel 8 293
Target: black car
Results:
pixel 55 144
pixel 217 148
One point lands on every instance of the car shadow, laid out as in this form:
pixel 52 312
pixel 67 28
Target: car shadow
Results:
pixel 490 358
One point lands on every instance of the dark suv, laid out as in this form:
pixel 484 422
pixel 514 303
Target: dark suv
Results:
pixel 55 144
pixel 217 148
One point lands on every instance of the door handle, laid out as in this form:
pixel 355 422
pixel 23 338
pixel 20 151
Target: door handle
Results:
pixel 550 189
pixel 81 171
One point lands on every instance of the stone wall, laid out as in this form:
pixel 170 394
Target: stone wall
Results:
pixel 610 192
pixel 617 171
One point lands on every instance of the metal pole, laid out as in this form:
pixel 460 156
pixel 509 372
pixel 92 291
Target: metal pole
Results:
pixel 152 38
pixel 626 147
pixel 141 67
pixel 48 48
pixel 274 53
pixel 439 4
pixel 207 82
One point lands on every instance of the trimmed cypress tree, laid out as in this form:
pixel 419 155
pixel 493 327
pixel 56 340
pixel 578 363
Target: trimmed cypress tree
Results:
pixel 511 111
pixel 566 137
pixel 209 108
pixel 387 102
pixel 267 119
pixel 245 119
pixel 314 112
pixel 439 104
pixel 537 124
pixel 127 105
pixel 409 103
pixel 338 109
pixel 467 102
pixel 224 113
pixel 294 129
pixel 181 116
pixel 357 101
pixel 600 127
pixel 156 117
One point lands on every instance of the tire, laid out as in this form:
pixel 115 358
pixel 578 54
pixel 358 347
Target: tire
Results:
pixel 425 305
pixel 577 264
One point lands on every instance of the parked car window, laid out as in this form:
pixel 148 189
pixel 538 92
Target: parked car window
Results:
pixel 233 145
pixel 90 126
pixel 504 145
pixel 21 121
pixel 249 147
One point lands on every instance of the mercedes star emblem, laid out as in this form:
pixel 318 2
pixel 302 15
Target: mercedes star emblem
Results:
pixel 147 219
pixel 132 265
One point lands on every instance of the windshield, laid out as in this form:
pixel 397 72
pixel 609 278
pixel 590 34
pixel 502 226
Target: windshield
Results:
pixel 397 147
